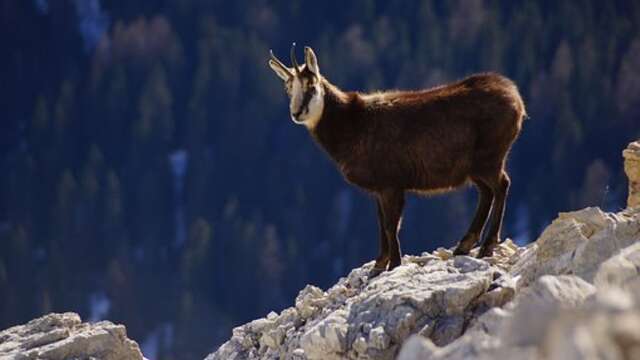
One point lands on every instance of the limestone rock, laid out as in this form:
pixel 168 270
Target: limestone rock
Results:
pixel 539 303
pixel 575 291
pixel 64 336
pixel 596 331
pixel 417 348
pixel 577 243
pixel 621 269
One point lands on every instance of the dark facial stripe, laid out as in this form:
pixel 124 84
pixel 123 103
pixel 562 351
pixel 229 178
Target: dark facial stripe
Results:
pixel 305 102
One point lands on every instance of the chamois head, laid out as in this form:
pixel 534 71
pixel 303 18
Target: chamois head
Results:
pixel 303 86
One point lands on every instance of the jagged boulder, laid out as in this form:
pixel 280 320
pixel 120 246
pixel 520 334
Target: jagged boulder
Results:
pixel 64 336
pixel 577 243
pixel 561 317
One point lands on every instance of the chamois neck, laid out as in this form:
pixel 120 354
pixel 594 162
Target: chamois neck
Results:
pixel 333 95
pixel 338 125
pixel 337 104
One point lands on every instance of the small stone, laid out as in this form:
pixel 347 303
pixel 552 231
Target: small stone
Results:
pixel 421 260
pixel 378 338
pixel 260 325
pixel 360 345
pixel 466 264
pixel 309 301
pixel 298 352
pixel 272 315
pixel 443 254
pixel 366 328
pixel 427 329
pixel 447 329
pixel 417 348
pixel 273 338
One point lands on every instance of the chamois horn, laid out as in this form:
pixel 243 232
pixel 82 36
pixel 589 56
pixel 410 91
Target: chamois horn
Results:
pixel 293 59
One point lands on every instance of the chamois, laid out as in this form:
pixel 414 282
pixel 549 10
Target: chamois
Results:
pixel 425 141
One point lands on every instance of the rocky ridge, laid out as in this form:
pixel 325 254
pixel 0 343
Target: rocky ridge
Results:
pixel 458 307
pixel 434 295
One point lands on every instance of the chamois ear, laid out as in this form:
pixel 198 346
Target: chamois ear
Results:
pixel 311 60
pixel 280 69
pixel 282 74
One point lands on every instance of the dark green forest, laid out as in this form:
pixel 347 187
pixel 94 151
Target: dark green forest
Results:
pixel 150 174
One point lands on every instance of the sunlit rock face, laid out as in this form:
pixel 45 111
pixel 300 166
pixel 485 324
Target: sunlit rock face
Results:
pixel 574 293
pixel 581 316
pixel 632 168
pixel 64 336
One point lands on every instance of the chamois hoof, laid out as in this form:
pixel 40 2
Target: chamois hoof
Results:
pixel 393 265
pixel 460 251
pixel 375 272
pixel 486 251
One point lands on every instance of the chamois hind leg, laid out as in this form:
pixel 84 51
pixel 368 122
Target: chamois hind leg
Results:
pixel 485 198
pixel 392 202
pixel 383 258
pixel 500 190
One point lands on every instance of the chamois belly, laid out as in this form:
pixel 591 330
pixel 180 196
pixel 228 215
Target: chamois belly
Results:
pixel 419 172
pixel 441 176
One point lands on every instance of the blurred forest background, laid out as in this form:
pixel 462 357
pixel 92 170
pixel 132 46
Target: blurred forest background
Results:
pixel 151 174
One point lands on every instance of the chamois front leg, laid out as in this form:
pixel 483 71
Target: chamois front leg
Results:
pixel 472 236
pixel 383 258
pixel 392 202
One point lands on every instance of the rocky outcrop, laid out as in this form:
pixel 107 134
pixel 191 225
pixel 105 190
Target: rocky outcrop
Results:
pixel 577 297
pixel 632 168
pixel 577 243
pixel 434 295
pixel 64 336
pixel 359 317
pixel 567 295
